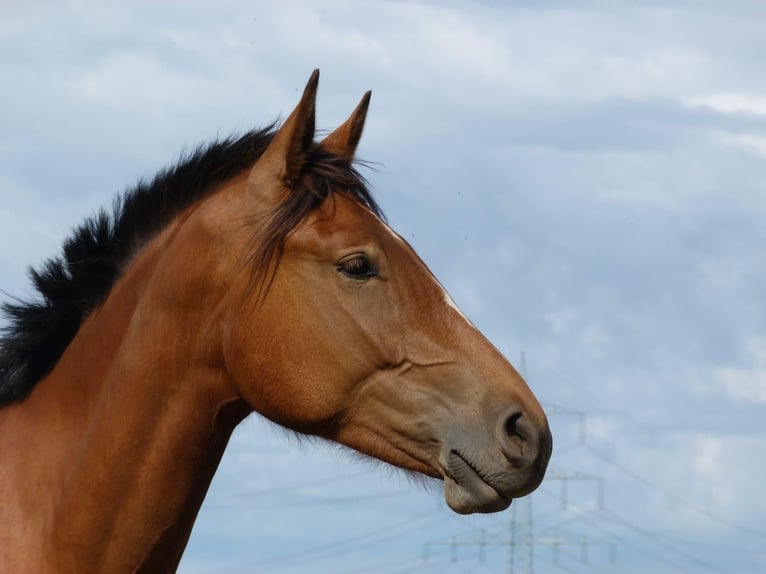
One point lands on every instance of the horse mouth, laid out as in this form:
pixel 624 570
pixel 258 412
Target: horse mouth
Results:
pixel 468 489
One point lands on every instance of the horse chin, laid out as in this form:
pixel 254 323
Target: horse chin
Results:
pixel 474 496
pixel 473 486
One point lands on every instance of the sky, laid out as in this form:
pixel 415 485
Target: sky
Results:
pixel 588 180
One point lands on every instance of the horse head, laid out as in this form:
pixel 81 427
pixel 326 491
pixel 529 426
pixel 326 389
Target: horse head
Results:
pixel 338 329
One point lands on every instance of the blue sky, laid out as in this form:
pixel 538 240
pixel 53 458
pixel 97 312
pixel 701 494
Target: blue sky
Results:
pixel 587 179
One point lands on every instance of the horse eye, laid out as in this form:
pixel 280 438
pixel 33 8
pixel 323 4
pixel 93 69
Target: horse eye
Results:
pixel 357 267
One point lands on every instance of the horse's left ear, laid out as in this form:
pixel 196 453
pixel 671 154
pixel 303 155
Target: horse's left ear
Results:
pixel 285 157
pixel 345 138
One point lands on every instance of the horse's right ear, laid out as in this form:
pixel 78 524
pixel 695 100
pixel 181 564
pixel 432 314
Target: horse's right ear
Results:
pixel 344 140
pixel 284 158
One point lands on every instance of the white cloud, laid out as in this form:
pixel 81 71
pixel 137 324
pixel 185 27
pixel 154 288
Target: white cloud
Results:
pixel 708 456
pixel 746 384
pixel 731 103
pixel 755 144
pixel 114 80
pixel 720 480
pixel 595 339
pixel 601 220
pixel 756 347
pixel 561 321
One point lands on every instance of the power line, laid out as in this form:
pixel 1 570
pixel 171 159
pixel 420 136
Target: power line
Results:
pixel 655 546
pixel 657 540
pixel 339 500
pixel 675 498
pixel 287 488
pixel 586 517
pixel 386 566
pixel 365 539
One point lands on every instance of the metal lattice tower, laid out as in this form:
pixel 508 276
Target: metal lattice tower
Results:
pixel 521 546
pixel 521 541
pixel 521 551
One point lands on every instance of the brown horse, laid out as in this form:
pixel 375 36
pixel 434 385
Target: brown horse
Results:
pixel 257 274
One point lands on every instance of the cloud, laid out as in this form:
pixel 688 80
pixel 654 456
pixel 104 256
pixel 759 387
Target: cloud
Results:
pixel 746 384
pixel 719 480
pixel 730 103
pixel 586 181
pixel 755 144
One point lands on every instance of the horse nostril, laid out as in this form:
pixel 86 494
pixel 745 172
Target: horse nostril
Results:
pixel 521 440
pixel 511 427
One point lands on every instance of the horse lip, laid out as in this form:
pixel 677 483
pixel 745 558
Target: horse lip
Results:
pixel 466 463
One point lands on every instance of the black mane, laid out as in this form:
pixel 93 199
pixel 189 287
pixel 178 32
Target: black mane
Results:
pixel 93 257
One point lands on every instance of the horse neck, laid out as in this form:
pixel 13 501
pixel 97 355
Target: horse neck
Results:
pixel 128 428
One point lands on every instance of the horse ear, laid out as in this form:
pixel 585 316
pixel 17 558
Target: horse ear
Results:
pixel 344 139
pixel 285 156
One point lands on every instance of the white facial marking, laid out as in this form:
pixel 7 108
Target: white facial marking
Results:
pixel 386 226
pixel 393 233
pixel 447 297
pixel 451 303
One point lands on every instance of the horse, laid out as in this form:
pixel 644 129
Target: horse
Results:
pixel 258 274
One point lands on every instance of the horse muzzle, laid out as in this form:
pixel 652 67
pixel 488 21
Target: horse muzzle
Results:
pixel 484 469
